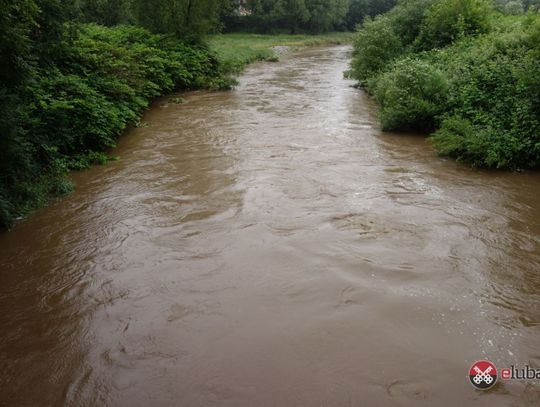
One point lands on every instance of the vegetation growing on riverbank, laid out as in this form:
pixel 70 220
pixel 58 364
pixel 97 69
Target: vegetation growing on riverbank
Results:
pixel 69 86
pixel 461 70
pixel 236 50
pixel 63 114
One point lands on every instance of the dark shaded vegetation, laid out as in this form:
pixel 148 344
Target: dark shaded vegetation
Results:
pixel 185 18
pixel 68 90
pixel 300 16
pixel 461 70
pixel 360 9
pixel 194 17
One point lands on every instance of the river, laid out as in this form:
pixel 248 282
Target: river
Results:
pixel 270 246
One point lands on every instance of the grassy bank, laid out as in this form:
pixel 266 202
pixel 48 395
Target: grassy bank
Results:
pixel 461 71
pixel 238 49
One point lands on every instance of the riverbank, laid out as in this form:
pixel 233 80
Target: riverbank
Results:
pixel 237 252
pixel 107 76
pixel 67 112
pixel 468 77
pixel 236 50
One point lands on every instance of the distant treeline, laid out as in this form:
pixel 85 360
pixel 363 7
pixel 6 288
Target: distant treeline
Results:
pixel 306 16
pixel 461 70
pixel 263 16
pixel 181 17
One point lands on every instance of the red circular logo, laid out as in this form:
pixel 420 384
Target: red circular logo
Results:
pixel 483 374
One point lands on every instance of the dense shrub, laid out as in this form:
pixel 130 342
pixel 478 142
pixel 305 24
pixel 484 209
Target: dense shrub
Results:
pixel 406 19
pixel 448 20
pixel 68 111
pixel 375 46
pixel 495 88
pixel 478 87
pixel 412 94
pixel 516 7
pixel 360 9
pixel 380 41
pixel 481 146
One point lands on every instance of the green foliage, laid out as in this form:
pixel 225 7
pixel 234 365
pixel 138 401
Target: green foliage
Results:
pixel 448 20
pixel 375 46
pixel 407 17
pixel 360 9
pixel 478 145
pixel 108 12
pixel 63 113
pixel 68 115
pixel 181 17
pixel 378 42
pixel 412 94
pixel 478 87
pixel 289 16
pixel 496 89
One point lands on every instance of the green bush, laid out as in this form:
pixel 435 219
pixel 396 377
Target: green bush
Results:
pixel 375 46
pixel 478 86
pixel 407 17
pixel 380 41
pixel 448 20
pixel 70 110
pixel 480 146
pixel 412 95
pixel 495 87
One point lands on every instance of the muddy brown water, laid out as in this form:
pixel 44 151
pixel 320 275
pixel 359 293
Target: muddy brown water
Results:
pixel 271 247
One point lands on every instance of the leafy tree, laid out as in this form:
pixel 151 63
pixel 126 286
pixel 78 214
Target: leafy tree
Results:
pixel 107 12
pixel 407 18
pixel 181 17
pixel 16 23
pixel 360 9
pixel 52 34
pixel 412 95
pixel 326 14
pixel 296 15
pixel 447 20
pixel 292 13
pixel 375 46
pixel 32 35
pixel 17 20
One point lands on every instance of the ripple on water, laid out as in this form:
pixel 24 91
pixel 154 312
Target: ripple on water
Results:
pixel 270 246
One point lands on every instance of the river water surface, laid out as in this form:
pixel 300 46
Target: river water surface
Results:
pixel 271 247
